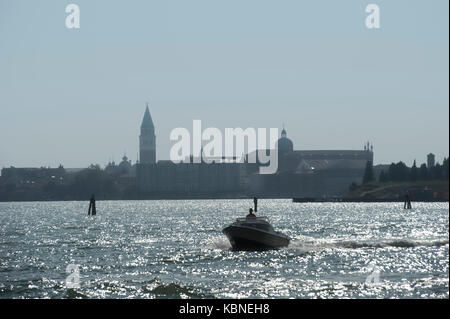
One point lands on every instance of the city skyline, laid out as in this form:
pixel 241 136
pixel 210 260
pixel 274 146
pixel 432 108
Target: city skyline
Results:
pixel 316 68
pixel 120 156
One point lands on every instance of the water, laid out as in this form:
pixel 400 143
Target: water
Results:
pixel 175 249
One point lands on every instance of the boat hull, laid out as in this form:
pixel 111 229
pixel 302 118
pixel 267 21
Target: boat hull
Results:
pixel 245 238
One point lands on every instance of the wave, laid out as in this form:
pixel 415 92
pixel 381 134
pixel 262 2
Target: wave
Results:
pixel 175 290
pixel 74 294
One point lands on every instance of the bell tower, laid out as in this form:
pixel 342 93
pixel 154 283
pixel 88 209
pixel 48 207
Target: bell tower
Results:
pixel 147 140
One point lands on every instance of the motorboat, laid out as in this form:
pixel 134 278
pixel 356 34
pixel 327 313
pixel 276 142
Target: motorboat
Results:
pixel 254 233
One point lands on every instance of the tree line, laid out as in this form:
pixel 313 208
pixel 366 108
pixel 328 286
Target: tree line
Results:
pixel 400 172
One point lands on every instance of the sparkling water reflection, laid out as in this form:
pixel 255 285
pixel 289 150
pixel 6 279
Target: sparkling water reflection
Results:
pixel 175 249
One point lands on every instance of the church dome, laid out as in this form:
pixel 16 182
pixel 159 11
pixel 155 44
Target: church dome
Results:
pixel 284 144
pixel 125 165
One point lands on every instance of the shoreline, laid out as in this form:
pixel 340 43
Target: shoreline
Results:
pixel 294 200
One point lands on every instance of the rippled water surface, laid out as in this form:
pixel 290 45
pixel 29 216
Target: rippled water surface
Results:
pixel 175 249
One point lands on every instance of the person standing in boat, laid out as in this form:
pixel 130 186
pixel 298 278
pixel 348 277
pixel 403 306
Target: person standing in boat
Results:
pixel 250 214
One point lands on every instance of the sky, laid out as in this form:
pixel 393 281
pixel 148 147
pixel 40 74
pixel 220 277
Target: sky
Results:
pixel 77 96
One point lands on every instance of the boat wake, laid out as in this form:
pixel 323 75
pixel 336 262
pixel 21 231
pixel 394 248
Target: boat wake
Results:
pixel 313 244
pixel 221 243
pixel 399 243
pixel 310 244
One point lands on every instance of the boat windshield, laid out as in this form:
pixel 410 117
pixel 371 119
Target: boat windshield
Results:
pixel 244 219
pixel 262 226
pixel 255 222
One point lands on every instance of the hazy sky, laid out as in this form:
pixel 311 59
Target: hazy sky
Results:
pixel 78 96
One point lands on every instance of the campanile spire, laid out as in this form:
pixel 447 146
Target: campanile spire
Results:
pixel 147 139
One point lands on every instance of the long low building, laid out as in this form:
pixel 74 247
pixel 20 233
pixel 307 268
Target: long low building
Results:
pixel 311 173
pixel 191 180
